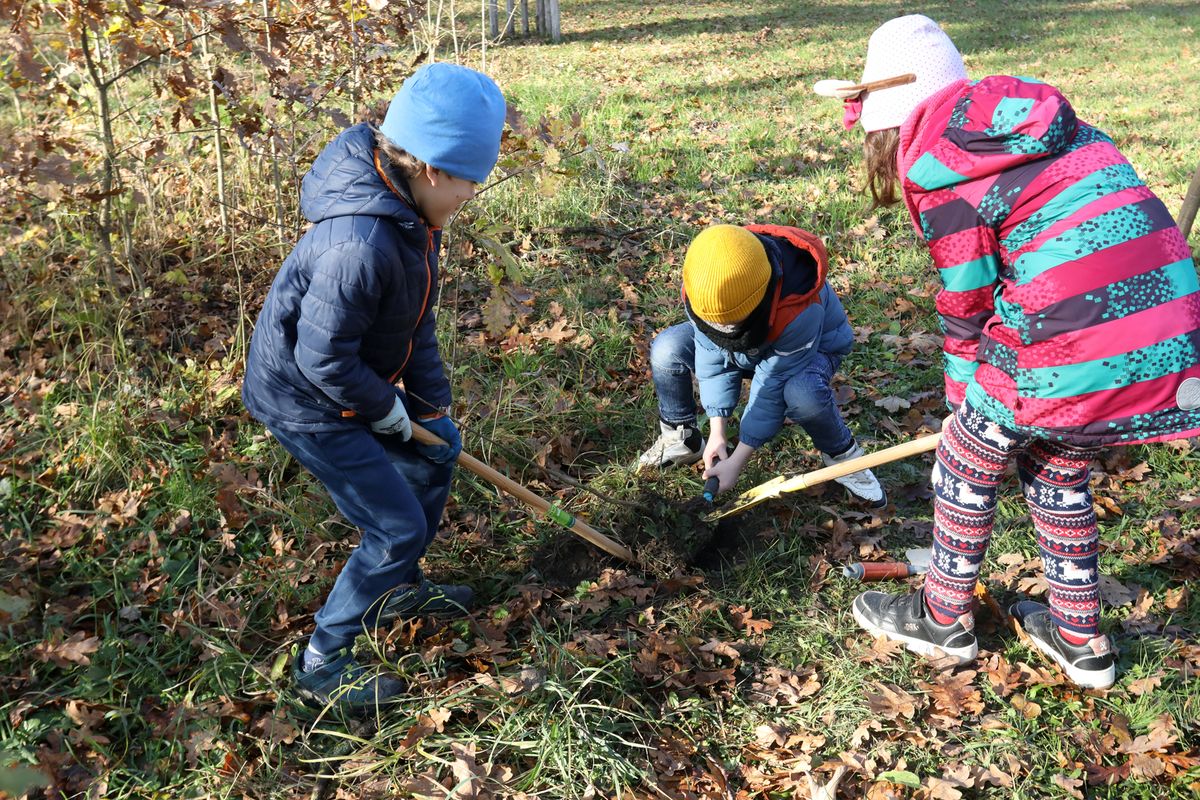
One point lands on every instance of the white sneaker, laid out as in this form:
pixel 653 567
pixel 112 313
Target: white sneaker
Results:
pixel 676 446
pixel 863 485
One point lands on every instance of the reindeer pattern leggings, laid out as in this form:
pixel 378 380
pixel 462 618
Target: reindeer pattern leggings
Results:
pixel 971 460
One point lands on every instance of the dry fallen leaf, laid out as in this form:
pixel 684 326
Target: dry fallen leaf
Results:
pixel 75 650
pixel 891 702
pixel 1144 685
pixel 939 789
pixel 1146 767
pixel 469 778
pixel 1114 593
pixel 994 776
pixel 1140 620
pixel 954 694
pixel 892 403
pixel 1176 599
pixel 439 717
pixel 1137 473
pixel 1071 786
pixel 1161 736
pixel 770 735
pixel 743 617
pixel 1105 506
pixel 882 650
pixel 277 730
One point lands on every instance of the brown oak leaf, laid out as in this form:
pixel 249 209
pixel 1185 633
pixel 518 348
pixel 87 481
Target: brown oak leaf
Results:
pixel 891 702
pixel 75 650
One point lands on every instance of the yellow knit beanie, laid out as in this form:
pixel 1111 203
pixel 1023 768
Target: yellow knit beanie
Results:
pixel 725 274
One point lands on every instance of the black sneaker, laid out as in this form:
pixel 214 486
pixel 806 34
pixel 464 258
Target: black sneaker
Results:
pixel 426 598
pixel 904 618
pixel 1090 665
pixel 343 684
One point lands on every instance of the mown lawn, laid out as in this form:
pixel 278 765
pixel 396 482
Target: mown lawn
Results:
pixel 163 556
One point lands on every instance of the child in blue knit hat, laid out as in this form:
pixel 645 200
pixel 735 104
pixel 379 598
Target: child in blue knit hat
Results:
pixel 350 314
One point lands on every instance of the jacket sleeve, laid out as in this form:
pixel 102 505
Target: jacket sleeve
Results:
pixel 720 380
pixel 339 306
pixel 425 377
pixel 967 254
pixel 791 353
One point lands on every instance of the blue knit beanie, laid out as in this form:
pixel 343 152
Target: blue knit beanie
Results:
pixel 449 117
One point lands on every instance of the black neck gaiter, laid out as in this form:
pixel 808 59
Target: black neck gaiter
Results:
pixel 749 335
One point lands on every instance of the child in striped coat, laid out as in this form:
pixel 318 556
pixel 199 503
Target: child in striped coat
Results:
pixel 1071 313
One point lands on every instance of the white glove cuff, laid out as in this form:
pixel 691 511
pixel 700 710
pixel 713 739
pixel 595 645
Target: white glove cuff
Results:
pixel 397 413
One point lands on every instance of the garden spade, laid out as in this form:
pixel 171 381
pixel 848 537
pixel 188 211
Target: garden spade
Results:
pixel 552 511
pixel 784 484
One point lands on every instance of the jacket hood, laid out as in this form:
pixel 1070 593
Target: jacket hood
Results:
pixel 975 130
pixel 800 264
pixel 343 181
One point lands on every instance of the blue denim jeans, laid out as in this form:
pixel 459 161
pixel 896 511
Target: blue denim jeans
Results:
pixel 396 499
pixel 808 396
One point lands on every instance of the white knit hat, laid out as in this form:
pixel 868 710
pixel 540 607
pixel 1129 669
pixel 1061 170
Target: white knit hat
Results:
pixel 912 44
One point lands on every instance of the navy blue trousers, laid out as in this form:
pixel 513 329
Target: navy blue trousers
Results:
pixel 394 496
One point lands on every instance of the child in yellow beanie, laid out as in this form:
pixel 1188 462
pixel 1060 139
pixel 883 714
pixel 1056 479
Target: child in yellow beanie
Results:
pixel 758 307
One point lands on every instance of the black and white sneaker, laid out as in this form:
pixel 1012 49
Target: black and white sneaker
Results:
pixel 1090 665
pixel 904 618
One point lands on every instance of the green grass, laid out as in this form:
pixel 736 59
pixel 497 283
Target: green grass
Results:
pixel 143 507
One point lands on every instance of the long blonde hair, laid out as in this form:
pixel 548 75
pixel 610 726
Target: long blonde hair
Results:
pixel 879 151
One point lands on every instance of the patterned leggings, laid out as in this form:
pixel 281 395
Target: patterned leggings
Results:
pixel 971 460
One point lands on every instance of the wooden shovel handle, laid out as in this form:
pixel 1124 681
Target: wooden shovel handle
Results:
pixel 884 456
pixel 503 482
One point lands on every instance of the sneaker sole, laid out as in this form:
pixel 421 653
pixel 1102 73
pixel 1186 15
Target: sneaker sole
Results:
pixel 1083 678
pixel 962 654
pixel 447 613
pixel 880 503
pixel 317 702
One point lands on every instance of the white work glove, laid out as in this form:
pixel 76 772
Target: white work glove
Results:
pixel 395 423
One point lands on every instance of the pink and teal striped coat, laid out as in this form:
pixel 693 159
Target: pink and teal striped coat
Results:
pixel 1070 306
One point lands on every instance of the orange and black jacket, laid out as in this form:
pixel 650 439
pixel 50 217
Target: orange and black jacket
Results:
pixel 351 310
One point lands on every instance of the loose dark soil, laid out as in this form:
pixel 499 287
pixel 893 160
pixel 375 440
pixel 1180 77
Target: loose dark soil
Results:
pixel 667 537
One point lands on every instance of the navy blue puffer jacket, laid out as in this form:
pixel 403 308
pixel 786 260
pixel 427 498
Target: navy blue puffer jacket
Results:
pixel 351 310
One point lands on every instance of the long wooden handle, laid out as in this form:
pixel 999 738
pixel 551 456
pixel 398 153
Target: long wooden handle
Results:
pixel 884 456
pixel 553 512
pixel 782 485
